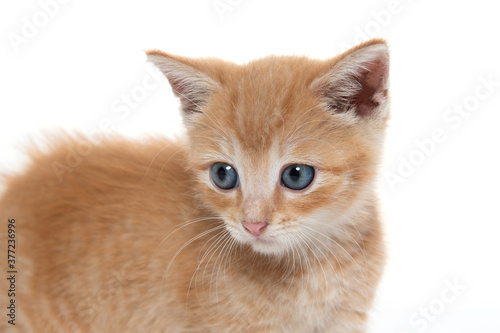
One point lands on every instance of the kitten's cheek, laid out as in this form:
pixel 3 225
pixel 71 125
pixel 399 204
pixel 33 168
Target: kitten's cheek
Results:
pixel 236 233
pixel 239 234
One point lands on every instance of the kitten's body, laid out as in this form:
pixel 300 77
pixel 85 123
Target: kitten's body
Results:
pixel 135 239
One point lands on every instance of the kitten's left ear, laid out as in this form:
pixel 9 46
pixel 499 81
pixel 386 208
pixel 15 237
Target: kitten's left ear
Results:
pixel 357 81
pixel 188 79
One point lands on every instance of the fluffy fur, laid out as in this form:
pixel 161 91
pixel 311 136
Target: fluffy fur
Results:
pixel 137 238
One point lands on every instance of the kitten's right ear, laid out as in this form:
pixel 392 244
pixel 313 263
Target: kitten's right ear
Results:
pixel 357 81
pixel 188 82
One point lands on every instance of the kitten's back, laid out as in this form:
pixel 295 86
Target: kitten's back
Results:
pixel 76 237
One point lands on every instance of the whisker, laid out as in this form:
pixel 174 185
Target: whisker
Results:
pixel 161 170
pixel 305 256
pixel 332 253
pixel 151 163
pixel 304 235
pixel 347 252
pixel 232 245
pixel 222 254
pixel 185 224
pixel 217 246
pixel 182 248
pixel 195 273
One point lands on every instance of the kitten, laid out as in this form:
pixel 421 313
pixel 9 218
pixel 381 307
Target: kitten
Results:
pixel 263 220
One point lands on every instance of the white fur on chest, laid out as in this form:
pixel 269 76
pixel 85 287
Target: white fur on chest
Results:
pixel 315 305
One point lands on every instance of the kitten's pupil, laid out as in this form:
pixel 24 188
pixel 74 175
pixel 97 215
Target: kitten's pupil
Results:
pixel 295 173
pixel 222 173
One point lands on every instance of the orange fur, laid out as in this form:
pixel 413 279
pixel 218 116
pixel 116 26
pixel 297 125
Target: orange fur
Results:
pixel 136 238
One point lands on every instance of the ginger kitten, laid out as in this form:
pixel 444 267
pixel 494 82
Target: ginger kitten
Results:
pixel 263 220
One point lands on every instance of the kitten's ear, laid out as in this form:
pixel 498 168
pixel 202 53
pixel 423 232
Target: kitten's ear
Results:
pixel 188 82
pixel 357 81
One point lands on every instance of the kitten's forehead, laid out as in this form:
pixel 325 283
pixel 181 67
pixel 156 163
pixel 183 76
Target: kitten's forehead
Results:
pixel 268 97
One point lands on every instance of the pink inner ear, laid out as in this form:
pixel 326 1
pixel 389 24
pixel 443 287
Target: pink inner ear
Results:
pixel 357 82
pixel 372 91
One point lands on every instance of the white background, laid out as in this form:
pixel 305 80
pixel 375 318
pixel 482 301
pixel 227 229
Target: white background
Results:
pixel 441 215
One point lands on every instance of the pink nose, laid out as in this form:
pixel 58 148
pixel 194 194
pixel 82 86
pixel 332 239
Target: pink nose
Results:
pixel 256 228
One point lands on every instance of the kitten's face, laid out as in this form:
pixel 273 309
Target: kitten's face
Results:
pixel 280 159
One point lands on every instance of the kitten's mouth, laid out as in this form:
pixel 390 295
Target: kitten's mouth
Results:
pixel 262 243
pixel 266 245
pixel 264 240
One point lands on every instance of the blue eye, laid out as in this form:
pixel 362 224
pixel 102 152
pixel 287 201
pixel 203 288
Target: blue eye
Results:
pixel 297 176
pixel 224 175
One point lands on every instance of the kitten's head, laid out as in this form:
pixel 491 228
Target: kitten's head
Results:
pixel 284 148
